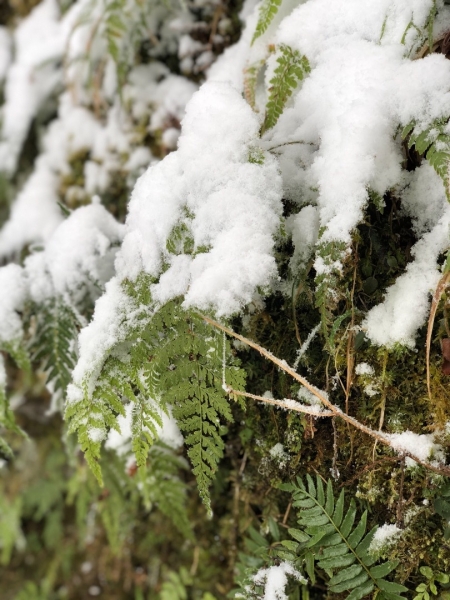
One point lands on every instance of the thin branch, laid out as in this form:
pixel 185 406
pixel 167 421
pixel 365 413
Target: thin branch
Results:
pixel 351 338
pixel 334 469
pixel 296 407
pixel 382 438
pixel 434 305
pixel 400 522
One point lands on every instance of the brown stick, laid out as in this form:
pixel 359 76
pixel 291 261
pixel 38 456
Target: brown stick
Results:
pixel 434 304
pixel 301 408
pixel 400 522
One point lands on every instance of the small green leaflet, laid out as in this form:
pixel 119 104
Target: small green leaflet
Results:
pixel 267 12
pixel 434 144
pixel 292 68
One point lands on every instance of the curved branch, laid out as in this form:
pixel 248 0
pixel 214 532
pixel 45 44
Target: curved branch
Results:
pixel 286 404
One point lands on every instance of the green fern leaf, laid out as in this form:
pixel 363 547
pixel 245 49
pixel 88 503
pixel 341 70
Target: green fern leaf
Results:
pixel 390 587
pixel 7 420
pixel 339 544
pixel 362 549
pixel 162 486
pixel 434 144
pixel 349 519
pixel 189 360
pixel 298 535
pixel 339 509
pixel 348 578
pixel 361 591
pixel 172 358
pixel 331 551
pixel 337 561
pixel 267 12
pixel 384 569
pixel 292 68
pixel 407 129
pixel 356 536
pixel 53 342
pixel 19 353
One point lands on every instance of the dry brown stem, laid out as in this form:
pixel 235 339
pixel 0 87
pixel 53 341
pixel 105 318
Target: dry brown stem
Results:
pixel 434 304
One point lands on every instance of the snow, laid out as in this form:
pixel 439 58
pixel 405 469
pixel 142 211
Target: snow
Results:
pixel 169 433
pixel 424 198
pixel 33 76
pixel 279 455
pixel 406 304
pixel 35 213
pixel 351 105
pixel 81 251
pixel 306 344
pixel 364 369
pixel 385 536
pixel 421 445
pixel 96 434
pixel 310 408
pixel 5 51
pixel 235 207
pixel 112 309
pixel 275 579
pixel 304 228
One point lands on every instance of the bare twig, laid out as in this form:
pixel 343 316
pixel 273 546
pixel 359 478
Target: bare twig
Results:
pixel 434 304
pixel 286 514
pixel 400 522
pixel 296 407
pixel 383 400
pixel 334 469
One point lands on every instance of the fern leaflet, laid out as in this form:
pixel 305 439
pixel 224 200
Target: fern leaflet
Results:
pixel 7 421
pixel 267 12
pixel 292 68
pixel 187 370
pixel 434 144
pixel 53 342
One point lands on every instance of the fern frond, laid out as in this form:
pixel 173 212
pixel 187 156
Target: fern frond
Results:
pixel 338 542
pixel 434 144
pixel 169 358
pixel 53 342
pixel 101 399
pixel 292 68
pixel 7 420
pixel 189 365
pixel 250 80
pixel 19 353
pixel 164 488
pixel 267 12
pixel 115 29
pixel 10 527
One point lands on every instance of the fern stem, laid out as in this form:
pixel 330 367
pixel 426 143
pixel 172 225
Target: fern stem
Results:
pixel 289 144
pixel 383 439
